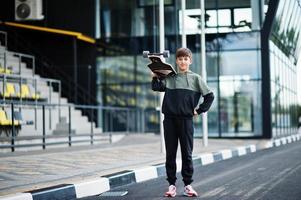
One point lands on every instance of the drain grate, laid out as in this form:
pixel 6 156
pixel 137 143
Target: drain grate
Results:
pixel 114 194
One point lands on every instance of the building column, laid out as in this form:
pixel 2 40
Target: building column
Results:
pixel 257 14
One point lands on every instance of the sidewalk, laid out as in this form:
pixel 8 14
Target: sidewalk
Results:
pixel 24 171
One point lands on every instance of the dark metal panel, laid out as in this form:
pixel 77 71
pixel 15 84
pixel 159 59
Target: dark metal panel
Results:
pixel 265 69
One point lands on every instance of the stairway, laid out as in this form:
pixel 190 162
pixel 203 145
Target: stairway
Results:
pixel 56 117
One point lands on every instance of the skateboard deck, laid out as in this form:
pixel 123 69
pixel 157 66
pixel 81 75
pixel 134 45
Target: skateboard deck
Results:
pixel 158 66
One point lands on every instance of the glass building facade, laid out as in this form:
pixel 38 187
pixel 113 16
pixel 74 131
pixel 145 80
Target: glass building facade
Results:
pixel 251 51
pixel 284 49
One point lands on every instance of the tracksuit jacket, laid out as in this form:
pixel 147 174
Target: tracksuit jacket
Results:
pixel 182 95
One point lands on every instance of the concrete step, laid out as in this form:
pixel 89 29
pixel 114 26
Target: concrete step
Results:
pixel 79 123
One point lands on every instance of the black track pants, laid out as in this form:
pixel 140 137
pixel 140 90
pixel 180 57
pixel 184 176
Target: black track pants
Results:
pixel 178 130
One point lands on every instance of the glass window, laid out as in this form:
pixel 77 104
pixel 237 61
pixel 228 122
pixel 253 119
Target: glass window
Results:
pixel 211 21
pixel 282 16
pixel 242 19
pixel 125 82
pixel 240 63
pixel 212 18
pixel 224 20
pixel 246 40
pixel 297 35
pixel 244 112
pixel 191 21
pixel 152 2
pixel 226 106
pixel 212 65
pixel 212 115
pixel 280 10
pixel 272 64
pixel 120 23
pixel 224 17
pixel 240 107
pixel 233 60
pixel 288 16
pixel 292 32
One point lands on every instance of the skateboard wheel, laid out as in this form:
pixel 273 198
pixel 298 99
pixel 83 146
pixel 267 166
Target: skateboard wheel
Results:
pixel 166 54
pixel 145 54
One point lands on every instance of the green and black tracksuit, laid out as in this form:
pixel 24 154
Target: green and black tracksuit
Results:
pixel 182 95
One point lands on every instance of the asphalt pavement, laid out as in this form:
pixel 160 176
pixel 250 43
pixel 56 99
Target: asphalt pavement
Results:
pixel 269 174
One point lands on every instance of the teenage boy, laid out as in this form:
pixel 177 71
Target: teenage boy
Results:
pixel 182 94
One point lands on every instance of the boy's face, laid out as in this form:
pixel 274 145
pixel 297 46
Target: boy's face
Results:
pixel 183 63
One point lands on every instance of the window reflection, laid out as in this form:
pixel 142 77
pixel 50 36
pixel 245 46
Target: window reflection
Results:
pixel 224 21
pixel 239 41
pixel 283 53
pixel 224 17
pixel 233 60
pixel 212 65
pixel 245 63
pixel 211 23
pixel 243 19
pixel 213 115
pixel 240 107
pixel 212 18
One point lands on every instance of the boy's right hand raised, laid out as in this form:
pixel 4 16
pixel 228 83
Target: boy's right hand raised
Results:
pixel 154 75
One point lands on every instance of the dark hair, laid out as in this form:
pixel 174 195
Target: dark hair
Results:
pixel 181 52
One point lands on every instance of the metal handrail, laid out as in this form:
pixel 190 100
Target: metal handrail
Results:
pixel 17 76
pixel 87 137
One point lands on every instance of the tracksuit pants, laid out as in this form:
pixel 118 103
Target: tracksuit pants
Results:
pixel 178 130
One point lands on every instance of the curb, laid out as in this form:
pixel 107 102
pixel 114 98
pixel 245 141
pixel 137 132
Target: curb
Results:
pixel 108 182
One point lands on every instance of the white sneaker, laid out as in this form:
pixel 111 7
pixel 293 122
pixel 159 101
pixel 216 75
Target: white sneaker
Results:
pixel 172 191
pixel 189 191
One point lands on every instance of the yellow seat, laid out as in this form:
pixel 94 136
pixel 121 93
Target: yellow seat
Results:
pixel 24 92
pixel 3 71
pixel 33 95
pixel 9 90
pixel 6 124
pixel 4 121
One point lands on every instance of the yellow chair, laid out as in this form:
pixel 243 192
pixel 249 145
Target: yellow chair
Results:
pixel 35 96
pixel 25 92
pixel 3 122
pixel 6 124
pixel 9 90
pixel 3 71
pixel 3 119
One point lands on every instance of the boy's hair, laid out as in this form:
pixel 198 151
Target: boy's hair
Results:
pixel 182 52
